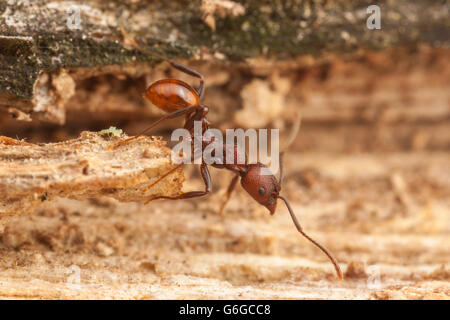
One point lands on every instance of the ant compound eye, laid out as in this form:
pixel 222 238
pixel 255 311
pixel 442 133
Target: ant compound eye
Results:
pixel 261 191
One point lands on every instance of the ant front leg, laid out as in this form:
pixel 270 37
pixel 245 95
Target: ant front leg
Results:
pixel 192 194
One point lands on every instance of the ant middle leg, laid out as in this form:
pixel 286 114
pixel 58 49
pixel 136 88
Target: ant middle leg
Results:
pixel 192 194
pixel 162 177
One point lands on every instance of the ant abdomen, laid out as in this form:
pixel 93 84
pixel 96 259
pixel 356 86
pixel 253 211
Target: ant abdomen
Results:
pixel 172 94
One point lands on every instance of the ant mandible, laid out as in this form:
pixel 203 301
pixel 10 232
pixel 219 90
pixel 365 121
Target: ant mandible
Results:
pixel 178 98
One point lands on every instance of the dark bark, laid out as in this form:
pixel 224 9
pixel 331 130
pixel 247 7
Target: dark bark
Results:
pixel 35 41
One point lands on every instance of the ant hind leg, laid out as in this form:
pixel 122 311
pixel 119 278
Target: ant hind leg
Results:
pixel 176 65
pixel 171 115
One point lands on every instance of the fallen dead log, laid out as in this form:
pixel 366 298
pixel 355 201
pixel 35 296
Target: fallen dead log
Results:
pixel 82 168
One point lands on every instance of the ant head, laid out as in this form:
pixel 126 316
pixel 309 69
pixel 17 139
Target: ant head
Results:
pixel 265 189
pixel 261 185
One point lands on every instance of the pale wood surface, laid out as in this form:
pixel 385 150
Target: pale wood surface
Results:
pixel 185 250
pixel 82 168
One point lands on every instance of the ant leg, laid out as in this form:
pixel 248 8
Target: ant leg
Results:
pixel 162 177
pixel 192 194
pixel 228 194
pixel 197 115
pixel 176 65
pixel 171 115
pixel 190 72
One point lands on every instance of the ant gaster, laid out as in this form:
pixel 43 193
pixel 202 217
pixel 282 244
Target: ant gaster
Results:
pixel 178 98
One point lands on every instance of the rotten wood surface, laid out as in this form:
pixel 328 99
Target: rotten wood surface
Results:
pixel 31 174
pixel 387 248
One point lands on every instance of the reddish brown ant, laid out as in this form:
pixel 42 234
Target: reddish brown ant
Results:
pixel 178 98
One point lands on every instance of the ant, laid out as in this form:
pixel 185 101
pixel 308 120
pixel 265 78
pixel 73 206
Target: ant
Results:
pixel 177 98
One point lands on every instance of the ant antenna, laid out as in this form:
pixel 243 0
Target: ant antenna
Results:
pixel 292 135
pixel 294 131
pixel 280 178
pixel 299 228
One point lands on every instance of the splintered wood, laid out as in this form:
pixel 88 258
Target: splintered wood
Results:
pixel 82 168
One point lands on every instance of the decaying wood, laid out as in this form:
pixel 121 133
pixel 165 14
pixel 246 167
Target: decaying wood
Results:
pixel 185 250
pixel 31 175
pixel 43 54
